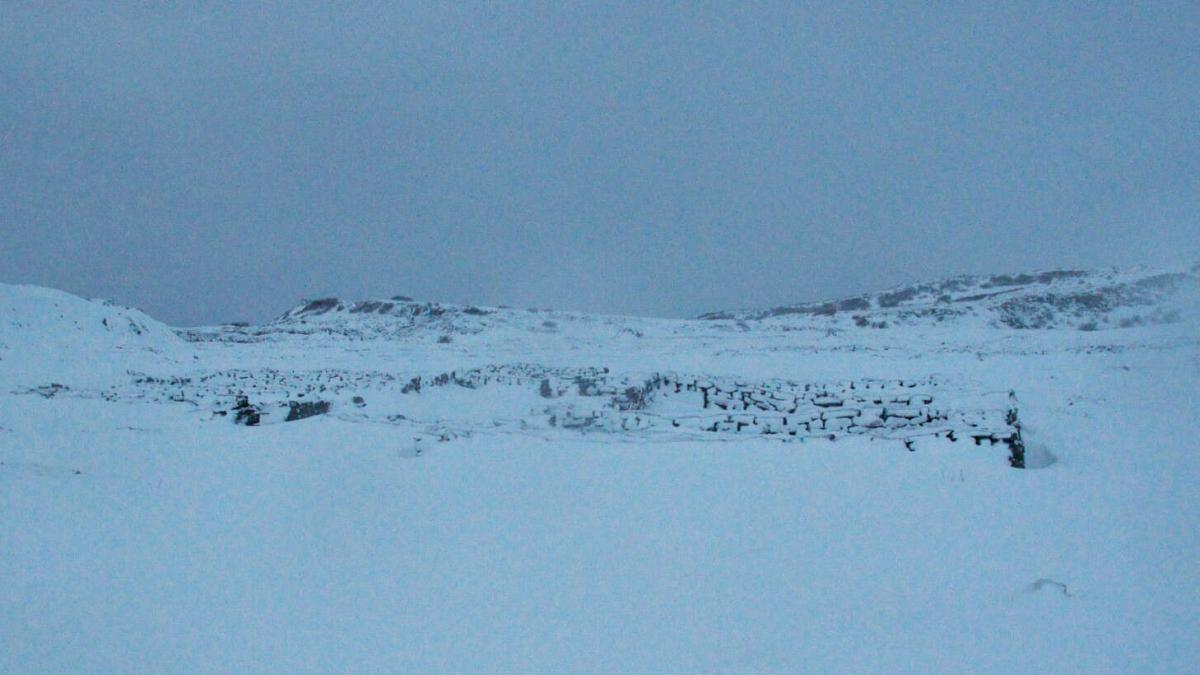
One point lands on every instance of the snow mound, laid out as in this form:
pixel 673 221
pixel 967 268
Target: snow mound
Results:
pixel 48 336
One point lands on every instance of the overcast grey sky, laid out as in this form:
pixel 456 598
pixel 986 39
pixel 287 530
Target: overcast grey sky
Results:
pixel 208 163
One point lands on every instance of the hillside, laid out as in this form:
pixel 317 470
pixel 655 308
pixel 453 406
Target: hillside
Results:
pixel 415 321
pixel 51 336
pixel 1067 300
pixel 1087 300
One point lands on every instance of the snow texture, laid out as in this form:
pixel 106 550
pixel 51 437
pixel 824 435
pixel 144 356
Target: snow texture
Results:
pixel 342 489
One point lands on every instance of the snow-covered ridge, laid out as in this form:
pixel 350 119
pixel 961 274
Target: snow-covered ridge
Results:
pixel 401 317
pixel 1077 299
pixel 46 333
pixel 35 310
pixel 1059 299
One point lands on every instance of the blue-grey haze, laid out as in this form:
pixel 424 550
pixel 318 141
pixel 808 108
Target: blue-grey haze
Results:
pixel 219 161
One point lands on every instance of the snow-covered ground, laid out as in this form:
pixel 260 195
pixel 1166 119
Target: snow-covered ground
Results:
pixel 457 528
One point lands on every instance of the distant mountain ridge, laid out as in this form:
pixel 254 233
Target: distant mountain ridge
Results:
pixel 402 317
pixel 1078 299
pixel 1057 299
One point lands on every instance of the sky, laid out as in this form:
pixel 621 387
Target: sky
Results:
pixel 207 162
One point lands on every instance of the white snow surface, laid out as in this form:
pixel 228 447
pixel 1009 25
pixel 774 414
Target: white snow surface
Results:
pixel 456 529
pixel 48 336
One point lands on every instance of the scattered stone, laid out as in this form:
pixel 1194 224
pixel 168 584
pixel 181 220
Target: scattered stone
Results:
pixel 48 390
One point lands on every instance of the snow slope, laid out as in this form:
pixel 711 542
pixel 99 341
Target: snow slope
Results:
pixel 48 336
pixel 454 528
pixel 1088 300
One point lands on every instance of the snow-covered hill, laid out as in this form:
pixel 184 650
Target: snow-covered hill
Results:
pixel 397 485
pixel 1074 300
pixel 48 336
pixel 403 319
pixel 1055 299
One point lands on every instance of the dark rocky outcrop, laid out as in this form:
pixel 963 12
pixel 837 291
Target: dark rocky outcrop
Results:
pixel 245 413
pixel 319 306
pixel 298 410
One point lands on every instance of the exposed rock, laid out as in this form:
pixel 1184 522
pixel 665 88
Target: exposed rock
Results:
pixel 245 413
pixel 298 410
